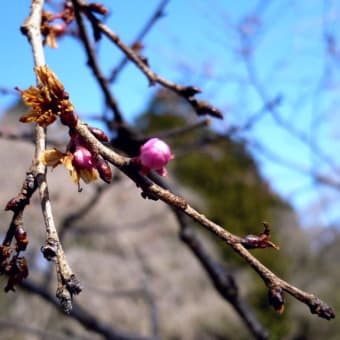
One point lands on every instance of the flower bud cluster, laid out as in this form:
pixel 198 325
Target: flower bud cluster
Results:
pixel 83 159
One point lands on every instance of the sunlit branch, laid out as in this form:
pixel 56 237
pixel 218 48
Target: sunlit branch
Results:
pixel 92 62
pixel 153 191
pixel 68 285
pixel 187 92
pixel 159 13
pixel 223 280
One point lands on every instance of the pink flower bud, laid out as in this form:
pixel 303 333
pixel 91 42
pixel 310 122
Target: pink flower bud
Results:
pixel 59 29
pixel 155 155
pixel 82 158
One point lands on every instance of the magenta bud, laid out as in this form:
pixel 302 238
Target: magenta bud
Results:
pixel 155 155
pixel 82 158
pixel 104 170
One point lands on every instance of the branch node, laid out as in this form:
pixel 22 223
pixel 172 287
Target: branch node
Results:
pixel 50 249
pixel 73 285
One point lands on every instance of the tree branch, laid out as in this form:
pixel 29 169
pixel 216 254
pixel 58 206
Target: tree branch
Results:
pixel 92 62
pixel 223 281
pixel 154 191
pixel 159 12
pixel 67 282
pixel 85 318
pixel 188 92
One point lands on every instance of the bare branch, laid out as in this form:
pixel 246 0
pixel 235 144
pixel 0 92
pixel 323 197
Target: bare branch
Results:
pixel 92 62
pixel 188 92
pixel 67 282
pixel 84 317
pixel 223 281
pixel 153 191
pixel 159 13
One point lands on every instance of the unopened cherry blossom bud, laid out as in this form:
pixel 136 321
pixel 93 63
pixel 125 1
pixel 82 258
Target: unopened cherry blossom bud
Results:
pixel 99 134
pixel 82 158
pixel 155 155
pixel 104 170
pixel 59 29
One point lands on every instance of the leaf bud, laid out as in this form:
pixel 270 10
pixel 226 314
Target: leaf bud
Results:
pixel 276 299
pixel 99 134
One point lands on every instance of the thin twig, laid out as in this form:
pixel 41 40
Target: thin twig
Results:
pixel 223 281
pixel 67 282
pixel 159 13
pixel 87 319
pixel 246 43
pixel 92 62
pixel 154 191
pixel 188 92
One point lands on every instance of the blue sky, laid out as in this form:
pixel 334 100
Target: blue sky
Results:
pixel 198 43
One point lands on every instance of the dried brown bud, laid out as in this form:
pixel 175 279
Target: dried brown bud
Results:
pixel 276 299
pixel 50 249
pixel 189 91
pixel 104 170
pixel 321 309
pixel 137 47
pixel 261 240
pixel 12 204
pixel 99 134
pixel 17 271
